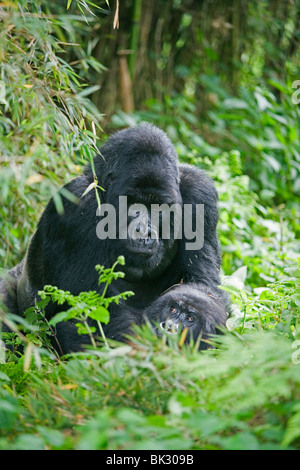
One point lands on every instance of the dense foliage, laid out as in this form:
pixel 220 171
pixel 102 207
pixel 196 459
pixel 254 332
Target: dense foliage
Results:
pixel 228 111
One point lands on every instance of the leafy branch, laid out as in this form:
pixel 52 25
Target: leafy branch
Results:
pixel 87 305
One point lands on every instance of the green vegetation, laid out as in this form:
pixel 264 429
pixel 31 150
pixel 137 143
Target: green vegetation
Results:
pixel 221 85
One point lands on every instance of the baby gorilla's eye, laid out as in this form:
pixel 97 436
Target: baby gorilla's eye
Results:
pixel 173 310
pixel 190 318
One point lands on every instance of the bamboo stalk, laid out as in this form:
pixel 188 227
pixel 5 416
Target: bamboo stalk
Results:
pixel 135 34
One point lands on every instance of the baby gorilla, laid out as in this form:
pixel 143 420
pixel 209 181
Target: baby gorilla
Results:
pixel 194 307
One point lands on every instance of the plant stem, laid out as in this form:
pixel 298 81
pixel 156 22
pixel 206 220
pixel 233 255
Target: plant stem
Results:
pixel 90 334
pixel 103 335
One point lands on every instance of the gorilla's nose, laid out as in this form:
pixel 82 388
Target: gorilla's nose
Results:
pixel 147 235
pixel 169 326
pixel 144 230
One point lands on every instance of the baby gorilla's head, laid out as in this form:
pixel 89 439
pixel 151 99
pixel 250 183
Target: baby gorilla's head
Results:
pixel 194 307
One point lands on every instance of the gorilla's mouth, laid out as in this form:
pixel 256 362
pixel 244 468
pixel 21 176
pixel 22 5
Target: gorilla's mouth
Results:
pixel 146 246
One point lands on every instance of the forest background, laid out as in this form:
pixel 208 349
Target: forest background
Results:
pixel 222 78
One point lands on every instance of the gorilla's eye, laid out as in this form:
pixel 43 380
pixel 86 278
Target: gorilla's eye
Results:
pixel 190 318
pixel 173 310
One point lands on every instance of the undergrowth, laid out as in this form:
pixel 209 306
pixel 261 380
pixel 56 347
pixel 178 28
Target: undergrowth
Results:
pixel 154 394
pixel 151 393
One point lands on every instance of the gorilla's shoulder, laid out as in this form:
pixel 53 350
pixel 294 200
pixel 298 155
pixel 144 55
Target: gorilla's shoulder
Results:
pixel 195 183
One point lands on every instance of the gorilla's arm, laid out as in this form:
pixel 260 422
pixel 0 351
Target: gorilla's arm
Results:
pixel 200 265
pixel 61 252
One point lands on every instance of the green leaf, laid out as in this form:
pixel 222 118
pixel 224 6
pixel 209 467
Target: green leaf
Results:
pixel 100 314
pixel 293 429
pixel 234 103
pixel 62 316
pixel 89 188
pixel 4 377
pixel 83 330
pixel 121 260
pixel 29 442
pixel 241 441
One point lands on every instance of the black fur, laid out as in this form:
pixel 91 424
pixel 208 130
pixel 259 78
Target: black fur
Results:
pixel 140 163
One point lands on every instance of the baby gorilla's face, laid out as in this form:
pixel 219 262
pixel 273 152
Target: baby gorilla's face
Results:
pixel 179 315
pixel 186 307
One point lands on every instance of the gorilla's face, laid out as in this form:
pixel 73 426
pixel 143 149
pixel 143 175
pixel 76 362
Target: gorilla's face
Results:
pixel 145 201
pixel 177 314
pixel 185 307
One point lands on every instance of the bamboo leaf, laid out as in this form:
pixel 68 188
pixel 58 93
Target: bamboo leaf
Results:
pixel 89 188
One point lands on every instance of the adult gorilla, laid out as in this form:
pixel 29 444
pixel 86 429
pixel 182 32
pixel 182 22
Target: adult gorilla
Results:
pixel 140 163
